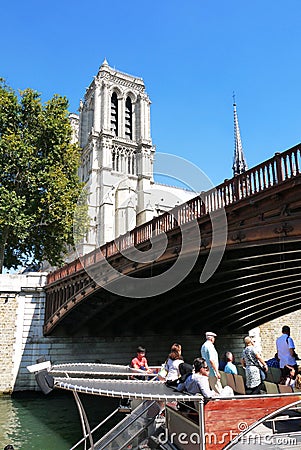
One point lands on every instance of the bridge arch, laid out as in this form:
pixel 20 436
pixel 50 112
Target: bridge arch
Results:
pixel 257 280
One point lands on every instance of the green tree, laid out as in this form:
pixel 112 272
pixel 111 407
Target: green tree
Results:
pixel 39 184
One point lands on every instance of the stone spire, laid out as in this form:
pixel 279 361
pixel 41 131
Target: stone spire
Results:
pixel 239 161
pixel 105 63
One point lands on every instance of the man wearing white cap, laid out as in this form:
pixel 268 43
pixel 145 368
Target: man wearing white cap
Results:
pixel 209 353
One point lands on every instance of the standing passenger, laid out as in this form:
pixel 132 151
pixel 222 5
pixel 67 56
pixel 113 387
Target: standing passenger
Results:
pixel 209 353
pixel 252 361
pixel 286 350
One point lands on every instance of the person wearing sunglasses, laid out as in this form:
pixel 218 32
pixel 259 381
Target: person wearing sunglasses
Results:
pixel 198 382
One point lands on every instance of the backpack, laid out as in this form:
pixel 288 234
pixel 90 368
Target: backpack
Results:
pixel 185 370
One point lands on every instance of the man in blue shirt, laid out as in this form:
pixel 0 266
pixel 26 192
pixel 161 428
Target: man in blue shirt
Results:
pixel 209 353
pixel 286 350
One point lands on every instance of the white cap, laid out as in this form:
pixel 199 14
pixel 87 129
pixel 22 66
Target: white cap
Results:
pixel 209 333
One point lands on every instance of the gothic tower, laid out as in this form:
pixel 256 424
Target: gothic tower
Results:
pixel 117 154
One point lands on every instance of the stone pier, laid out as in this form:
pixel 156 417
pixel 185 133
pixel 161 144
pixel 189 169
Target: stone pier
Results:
pixel 22 302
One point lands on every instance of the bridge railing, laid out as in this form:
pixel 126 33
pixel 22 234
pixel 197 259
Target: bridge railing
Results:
pixel 274 171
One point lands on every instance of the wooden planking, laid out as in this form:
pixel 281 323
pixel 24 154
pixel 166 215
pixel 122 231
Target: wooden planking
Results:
pixel 238 413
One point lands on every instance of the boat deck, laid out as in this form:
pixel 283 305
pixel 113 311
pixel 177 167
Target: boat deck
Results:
pixel 269 421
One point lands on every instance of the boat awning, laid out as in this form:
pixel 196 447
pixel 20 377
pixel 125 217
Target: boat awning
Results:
pixel 96 369
pixel 132 389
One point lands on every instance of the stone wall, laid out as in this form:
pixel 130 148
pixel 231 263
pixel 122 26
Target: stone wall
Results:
pixel 21 297
pixel 8 311
pixel 119 350
pixel 271 330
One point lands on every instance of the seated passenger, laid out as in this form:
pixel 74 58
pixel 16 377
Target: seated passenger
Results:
pixel 185 370
pixel 140 361
pixel 288 377
pixel 230 367
pixel 198 382
pixel 273 362
pixel 172 365
pixel 298 381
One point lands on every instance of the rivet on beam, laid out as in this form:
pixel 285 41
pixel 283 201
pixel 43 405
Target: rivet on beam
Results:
pixel 285 228
pixel 238 236
pixel 176 251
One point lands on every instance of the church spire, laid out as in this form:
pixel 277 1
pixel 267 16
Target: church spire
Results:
pixel 105 62
pixel 239 161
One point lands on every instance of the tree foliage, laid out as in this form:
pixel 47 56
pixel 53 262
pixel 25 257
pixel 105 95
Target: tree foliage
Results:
pixel 39 184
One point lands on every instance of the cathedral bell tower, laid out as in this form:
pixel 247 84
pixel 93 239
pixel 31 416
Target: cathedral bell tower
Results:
pixel 117 154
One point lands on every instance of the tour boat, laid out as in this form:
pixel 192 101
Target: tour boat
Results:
pixel 167 419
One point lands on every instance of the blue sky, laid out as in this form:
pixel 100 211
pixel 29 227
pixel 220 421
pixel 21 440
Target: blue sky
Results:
pixel 192 55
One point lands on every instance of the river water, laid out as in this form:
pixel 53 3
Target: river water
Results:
pixel 33 421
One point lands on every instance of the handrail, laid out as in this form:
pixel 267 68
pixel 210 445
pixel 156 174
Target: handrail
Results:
pixel 276 170
pixel 125 424
pixel 86 435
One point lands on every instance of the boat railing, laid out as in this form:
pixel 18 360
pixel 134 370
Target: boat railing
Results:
pixel 279 424
pixel 278 427
pixel 132 426
pixel 273 423
pixel 189 422
pixel 126 431
pixel 86 435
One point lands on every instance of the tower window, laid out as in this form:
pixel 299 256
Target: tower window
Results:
pixel 128 118
pixel 124 160
pixel 114 114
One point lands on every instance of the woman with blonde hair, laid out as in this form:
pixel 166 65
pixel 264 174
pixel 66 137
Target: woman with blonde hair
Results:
pixel 253 363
